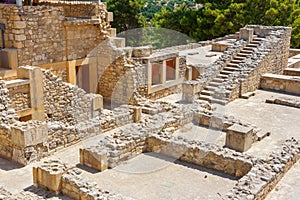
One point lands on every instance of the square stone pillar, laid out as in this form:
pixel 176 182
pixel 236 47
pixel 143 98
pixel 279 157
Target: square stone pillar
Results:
pixel 35 76
pixel 94 159
pixel 137 114
pixel 49 175
pixel 239 137
pixel 246 34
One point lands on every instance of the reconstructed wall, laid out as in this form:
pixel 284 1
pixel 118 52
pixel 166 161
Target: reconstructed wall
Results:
pixel 36 32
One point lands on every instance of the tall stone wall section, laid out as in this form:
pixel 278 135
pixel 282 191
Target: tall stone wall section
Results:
pixel 36 32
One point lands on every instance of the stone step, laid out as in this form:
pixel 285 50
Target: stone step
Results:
pixel 219 80
pixel 231 69
pixel 244 55
pixel 257 39
pixel 236 61
pixel 252 45
pixel 233 65
pixel 255 42
pixel 207 92
pixel 248 48
pixel 239 58
pixel 219 101
pixel 246 51
pixel 205 97
pixel 222 76
pixel 210 88
pixel 214 84
pixel 226 72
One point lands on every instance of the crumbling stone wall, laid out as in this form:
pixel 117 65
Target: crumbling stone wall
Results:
pixel 20 96
pixel 265 174
pixel 79 9
pixel 62 178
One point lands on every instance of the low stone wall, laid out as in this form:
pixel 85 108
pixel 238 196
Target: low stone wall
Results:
pixel 130 140
pixel 207 155
pixel 289 84
pixel 62 178
pixel 264 175
pixel 292 102
pixel 291 72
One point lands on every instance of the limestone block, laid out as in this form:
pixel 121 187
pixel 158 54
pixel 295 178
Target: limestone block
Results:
pixel 19 24
pixel 109 16
pixel 137 114
pixel 9 58
pixel 97 102
pixel 49 175
pixel 239 137
pixel 118 42
pixel 20 37
pixel 246 34
pixel 29 136
pixel 95 160
pixel 113 32
pixel 143 51
pixel 220 47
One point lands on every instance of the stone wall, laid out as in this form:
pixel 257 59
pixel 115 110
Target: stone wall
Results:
pixel 62 178
pixel 271 57
pixel 19 94
pixel 43 35
pixel 283 83
pixel 264 175
pixel 36 32
pixel 79 9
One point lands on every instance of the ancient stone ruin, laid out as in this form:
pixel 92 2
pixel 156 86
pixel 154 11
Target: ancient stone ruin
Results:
pixel 83 116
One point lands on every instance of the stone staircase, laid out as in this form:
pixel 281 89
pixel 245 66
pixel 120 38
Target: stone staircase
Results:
pixel 209 93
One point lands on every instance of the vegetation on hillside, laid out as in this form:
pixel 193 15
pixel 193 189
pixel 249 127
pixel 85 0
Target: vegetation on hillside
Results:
pixel 212 19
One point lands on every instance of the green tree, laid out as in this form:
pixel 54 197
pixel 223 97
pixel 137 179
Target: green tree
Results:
pixel 219 17
pixel 127 14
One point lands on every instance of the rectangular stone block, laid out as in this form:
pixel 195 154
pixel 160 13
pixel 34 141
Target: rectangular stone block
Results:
pixel 137 114
pixel 29 136
pixel 246 34
pixel 97 102
pixel 95 160
pixel 9 58
pixel 239 137
pixel 49 175
pixel 109 16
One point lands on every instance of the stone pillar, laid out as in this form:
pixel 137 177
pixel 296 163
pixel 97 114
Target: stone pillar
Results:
pixel 49 175
pixel 96 160
pixel 137 114
pixel 71 72
pixel 246 34
pixel 35 76
pixel 239 137
pixel 163 72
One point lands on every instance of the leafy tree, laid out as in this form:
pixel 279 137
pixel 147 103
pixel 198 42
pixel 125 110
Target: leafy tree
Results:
pixel 219 17
pixel 127 14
